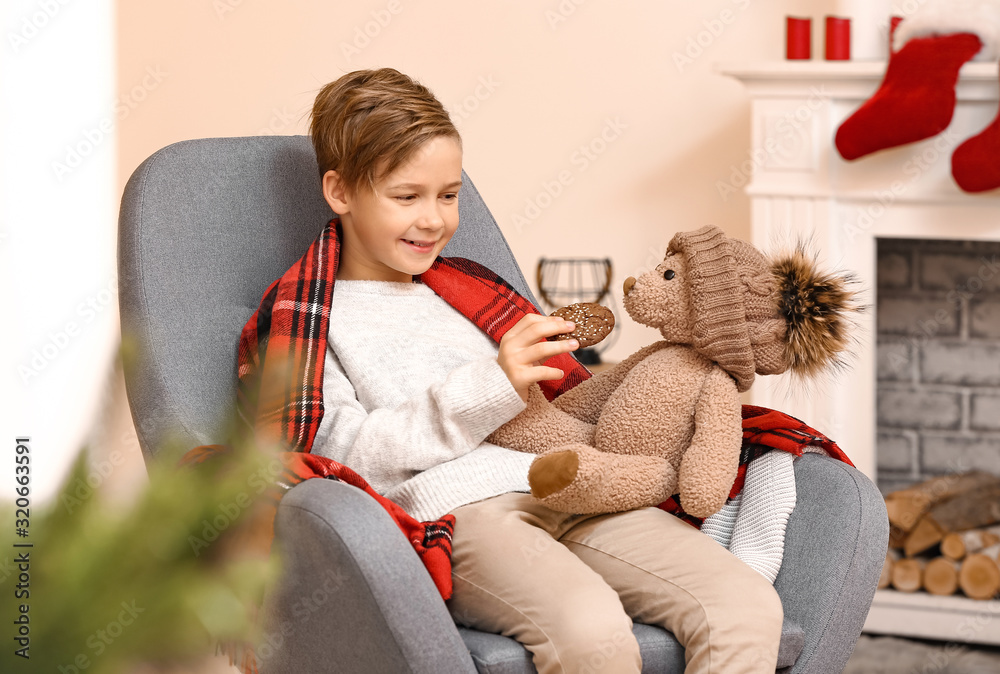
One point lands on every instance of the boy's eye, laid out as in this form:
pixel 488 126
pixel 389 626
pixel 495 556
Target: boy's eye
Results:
pixel 407 197
pixel 450 196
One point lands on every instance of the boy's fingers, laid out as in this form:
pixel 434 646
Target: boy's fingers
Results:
pixel 542 351
pixel 535 321
pixel 526 321
pixel 544 373
pixel 540 329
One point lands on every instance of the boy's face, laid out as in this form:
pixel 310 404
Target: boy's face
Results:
pixel 398 231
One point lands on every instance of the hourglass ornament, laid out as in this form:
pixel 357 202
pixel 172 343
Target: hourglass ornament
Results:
pixel 563 281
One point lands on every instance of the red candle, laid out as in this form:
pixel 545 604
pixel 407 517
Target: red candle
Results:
pixel 838 39
pixel 798 38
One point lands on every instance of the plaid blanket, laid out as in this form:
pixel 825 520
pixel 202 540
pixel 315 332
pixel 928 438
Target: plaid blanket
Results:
pixel 280 371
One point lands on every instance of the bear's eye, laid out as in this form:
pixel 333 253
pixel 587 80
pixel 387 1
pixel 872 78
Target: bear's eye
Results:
pixel 669 274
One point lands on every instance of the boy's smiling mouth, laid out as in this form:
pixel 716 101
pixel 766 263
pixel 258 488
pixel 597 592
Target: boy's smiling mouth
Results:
pixel 422 246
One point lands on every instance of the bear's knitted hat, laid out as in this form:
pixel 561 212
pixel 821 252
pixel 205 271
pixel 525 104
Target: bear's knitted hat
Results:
pixel 753 316
pixel 734 302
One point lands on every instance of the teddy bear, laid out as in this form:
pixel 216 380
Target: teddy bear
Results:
pixel 667 419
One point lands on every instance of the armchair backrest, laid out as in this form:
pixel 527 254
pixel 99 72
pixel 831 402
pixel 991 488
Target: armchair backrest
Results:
pixel 205 226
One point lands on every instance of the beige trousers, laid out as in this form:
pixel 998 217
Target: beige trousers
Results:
pixel 569 586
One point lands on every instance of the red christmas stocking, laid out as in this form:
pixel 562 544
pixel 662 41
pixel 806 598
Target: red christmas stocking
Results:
pixel 975 164
pixel 916 98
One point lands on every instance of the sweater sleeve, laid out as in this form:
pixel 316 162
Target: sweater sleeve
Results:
pixel 387 446
pixel 758 534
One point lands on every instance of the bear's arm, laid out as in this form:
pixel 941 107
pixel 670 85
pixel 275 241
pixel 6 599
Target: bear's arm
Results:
pixel 586 400
pixel 540 427
pixel 709 466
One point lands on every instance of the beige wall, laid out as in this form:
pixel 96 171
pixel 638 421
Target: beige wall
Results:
pixel 528 83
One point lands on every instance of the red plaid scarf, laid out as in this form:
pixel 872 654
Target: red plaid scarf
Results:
pixel 281 359
pixel 282 351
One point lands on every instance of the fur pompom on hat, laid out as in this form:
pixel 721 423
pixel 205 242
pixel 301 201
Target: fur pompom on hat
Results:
pixel 816 306
pixel 754 316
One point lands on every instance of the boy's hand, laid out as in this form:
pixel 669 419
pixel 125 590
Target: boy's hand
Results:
pixel 524 348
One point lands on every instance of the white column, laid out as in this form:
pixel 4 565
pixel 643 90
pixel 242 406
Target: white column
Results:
pixel 58 210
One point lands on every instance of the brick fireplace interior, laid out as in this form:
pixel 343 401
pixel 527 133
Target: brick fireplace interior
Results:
pixel 938 359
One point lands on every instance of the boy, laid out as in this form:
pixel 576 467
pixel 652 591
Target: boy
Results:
pixel 411 388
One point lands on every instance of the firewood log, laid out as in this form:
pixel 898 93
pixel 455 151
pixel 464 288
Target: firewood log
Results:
pixel 906 506
pixel 993 552
pixel 897 537
pixel 971 509
pixel 979 576
pixel 941 576
pixel 907 574
pixel 885 579
pixel 958 544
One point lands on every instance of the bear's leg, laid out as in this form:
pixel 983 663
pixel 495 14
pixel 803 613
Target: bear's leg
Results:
pixel 577 478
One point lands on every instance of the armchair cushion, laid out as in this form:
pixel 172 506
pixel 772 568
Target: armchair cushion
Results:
pixel 661 652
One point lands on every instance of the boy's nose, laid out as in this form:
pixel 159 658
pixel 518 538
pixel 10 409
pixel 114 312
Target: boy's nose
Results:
pixel 431 219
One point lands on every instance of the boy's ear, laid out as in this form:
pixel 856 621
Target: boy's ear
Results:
pixel 335 192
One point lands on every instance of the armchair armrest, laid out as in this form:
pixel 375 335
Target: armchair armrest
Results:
pixel 353 597
pixel 835 545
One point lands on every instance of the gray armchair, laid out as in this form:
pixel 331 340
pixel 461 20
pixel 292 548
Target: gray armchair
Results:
pixel 205 226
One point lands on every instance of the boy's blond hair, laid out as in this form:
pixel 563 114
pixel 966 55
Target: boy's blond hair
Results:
pixel 369 122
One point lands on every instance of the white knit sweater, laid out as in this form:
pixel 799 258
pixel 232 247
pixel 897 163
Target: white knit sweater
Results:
pixel 411 388
pixel 752 525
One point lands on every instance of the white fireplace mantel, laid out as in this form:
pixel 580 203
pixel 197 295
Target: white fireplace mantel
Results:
pixel 852 80
pixel 801 190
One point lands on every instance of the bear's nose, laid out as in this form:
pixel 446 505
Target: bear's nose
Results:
pixel 629 282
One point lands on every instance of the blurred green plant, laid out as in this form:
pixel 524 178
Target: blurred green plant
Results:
pixel 162 580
